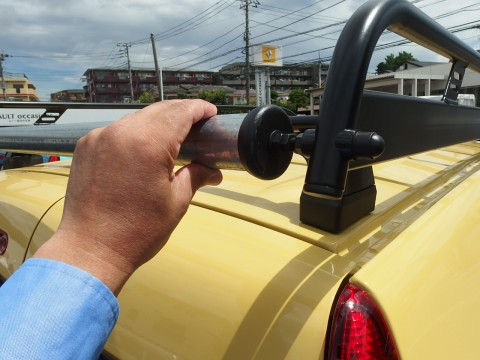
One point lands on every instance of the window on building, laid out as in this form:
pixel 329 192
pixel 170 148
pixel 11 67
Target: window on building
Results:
pixel 145 75
pixel 101 74
pixel 18 88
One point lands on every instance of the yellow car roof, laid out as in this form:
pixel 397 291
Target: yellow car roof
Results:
pixel 275 203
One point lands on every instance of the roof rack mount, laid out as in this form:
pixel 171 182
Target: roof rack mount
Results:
pixel 333 197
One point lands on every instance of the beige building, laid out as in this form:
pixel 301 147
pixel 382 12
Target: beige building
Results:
pixel 18 89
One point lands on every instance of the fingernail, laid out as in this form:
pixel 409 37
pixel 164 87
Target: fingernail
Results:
pixel 216 178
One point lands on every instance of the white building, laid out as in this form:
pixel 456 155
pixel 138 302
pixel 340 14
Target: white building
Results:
pixel 414 78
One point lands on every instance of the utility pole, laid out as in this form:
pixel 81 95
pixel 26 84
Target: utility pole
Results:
pixel 4 89
pixel 319 70
pixel 126 46
pixel 157 70
pixel 245 5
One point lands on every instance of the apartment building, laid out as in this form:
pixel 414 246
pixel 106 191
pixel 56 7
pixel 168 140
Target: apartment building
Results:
pixel 72 95
pixel 114 85
pixel 110 85
pixel 18 89
pixel 282 79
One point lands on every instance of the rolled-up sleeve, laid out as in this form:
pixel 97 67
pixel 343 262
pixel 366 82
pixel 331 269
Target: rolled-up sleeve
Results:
pixel 51 310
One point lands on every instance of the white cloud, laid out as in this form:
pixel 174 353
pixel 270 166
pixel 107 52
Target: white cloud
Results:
pixel 63 39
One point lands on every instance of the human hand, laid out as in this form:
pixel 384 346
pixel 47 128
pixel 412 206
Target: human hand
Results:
pixel 123 199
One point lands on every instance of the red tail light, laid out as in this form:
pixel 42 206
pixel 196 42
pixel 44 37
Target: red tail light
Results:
pixel 53 158
pixel 359 330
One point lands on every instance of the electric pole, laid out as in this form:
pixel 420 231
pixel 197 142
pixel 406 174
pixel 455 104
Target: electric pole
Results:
pixel 126 46
pixel 4 89
pixel 245 5
pixel 157 70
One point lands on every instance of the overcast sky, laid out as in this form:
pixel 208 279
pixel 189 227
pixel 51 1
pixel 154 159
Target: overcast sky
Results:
pixel 54 42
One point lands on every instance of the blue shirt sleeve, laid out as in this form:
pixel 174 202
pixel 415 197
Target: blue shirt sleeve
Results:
pixel 51 310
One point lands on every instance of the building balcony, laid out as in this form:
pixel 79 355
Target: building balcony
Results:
pixel 105 78
pixel 233 82
pixel 107 90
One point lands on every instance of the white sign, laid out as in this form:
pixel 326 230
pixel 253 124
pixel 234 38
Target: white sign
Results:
pixel 15 117
pixel 19 116
pixel 261 87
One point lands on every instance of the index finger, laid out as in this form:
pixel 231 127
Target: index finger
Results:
pixel 179 114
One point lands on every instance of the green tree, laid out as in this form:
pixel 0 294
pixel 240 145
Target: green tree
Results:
pixel 146 98
pixel 297 98
pixel 273 95
pixel 392 62
pixel 217 97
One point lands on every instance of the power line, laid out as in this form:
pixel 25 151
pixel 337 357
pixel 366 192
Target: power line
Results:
pixel 304 18
pixel 298 14
pixel 208 43
pixel 189 24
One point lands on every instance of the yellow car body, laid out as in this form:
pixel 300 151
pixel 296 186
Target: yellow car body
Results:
pixel 243 278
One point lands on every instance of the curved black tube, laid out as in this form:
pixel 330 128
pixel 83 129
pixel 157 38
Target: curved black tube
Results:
pixel 327 169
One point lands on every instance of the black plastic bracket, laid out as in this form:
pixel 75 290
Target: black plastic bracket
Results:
pixel 336 214
pixel 454 83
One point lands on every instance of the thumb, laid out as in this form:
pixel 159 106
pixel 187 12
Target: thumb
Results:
pixel 192 177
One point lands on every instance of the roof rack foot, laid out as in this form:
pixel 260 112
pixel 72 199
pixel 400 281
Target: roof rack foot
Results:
pixel 335 215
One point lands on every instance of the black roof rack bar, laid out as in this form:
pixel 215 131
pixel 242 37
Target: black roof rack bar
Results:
pixel 429 124
pixel 326 184
pixel 426 125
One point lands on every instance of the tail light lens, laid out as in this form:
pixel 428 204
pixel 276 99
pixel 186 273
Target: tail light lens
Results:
pixel 359 330
pixel 53 158
pixel 3 242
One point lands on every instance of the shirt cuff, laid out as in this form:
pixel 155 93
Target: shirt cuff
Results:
pixel 49 309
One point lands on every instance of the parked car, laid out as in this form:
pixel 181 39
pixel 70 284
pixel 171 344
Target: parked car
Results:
pixel 365 247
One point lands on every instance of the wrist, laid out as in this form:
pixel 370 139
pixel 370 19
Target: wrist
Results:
pixel 112 273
